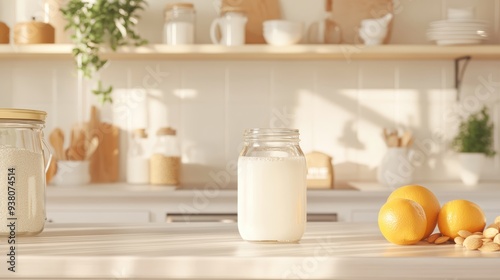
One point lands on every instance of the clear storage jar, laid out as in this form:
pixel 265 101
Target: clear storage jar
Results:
pixel 179 27
pixel 272 186
pixel 24 159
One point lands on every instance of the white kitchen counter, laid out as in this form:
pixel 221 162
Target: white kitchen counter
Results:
pixel 215 251
pixel 122 203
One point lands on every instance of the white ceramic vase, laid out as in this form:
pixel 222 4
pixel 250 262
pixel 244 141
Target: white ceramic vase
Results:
pixel 471 165
pixel 396 169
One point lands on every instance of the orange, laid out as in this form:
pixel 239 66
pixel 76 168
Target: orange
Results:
pixel 460 215
pixel 402 221
pixel 425 198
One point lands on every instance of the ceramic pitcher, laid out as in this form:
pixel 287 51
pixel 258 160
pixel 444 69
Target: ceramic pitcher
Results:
pixel 232 29
pixel 396 168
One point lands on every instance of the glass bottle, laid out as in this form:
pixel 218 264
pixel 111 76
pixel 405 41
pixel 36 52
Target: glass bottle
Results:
pixel 325 31
pixel 179 27
pixel 166 159
pixel 272 186
pixel 25 158
pixel 138 158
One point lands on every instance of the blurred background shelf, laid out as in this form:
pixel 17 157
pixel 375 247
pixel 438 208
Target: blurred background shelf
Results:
pixel 264 52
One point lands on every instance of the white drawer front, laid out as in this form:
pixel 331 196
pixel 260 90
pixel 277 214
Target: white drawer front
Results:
pixel 94 216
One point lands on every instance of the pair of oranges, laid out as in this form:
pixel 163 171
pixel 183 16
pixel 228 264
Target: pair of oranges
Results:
pixel 412 212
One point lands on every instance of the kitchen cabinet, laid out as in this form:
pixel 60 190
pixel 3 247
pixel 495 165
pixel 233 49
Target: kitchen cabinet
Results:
pixel 263 52
pixel 126 203
pixel 216 251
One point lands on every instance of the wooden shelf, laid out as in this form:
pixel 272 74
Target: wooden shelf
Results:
pixel 262 52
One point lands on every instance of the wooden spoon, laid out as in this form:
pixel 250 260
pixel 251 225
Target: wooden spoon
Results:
pixel 406 139
pixel 56 139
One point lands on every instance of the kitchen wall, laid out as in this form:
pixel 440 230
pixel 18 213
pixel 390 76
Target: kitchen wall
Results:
pixel 339 106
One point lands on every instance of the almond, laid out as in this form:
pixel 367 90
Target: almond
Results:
pixel 472 243
pixel 433 237
pixel 486 240
pixel 497 226
pixel 490 247
pixel 477 233
pixel 464 233
pixel 490 232
pixel 459 240
pixel 441 239
pixel 497 239
pixel 497 220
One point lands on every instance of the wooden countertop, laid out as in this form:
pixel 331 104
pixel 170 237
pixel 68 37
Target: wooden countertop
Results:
pixel 216 251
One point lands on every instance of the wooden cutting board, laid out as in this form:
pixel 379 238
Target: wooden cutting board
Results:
pixel 4 33
pixel 257 12
pixel 104 164
pixel 349 13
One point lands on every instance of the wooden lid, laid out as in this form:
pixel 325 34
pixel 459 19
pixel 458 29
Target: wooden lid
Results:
pixel 173 6
pixel 166 131
pixel 140 133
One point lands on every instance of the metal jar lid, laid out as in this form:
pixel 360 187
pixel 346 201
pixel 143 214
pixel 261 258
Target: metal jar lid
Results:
pixel 22 114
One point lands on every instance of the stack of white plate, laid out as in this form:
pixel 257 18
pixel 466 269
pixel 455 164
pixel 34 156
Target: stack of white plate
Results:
pixel 458 31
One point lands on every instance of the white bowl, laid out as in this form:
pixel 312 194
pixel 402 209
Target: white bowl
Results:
pixel 282 32
pixel 461 14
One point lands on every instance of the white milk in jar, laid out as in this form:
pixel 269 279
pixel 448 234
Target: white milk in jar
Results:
pixel 272 186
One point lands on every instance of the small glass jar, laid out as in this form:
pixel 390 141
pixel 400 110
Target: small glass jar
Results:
pixel 24 160
pixel 165 167
pixel 179 24
pixel 272 186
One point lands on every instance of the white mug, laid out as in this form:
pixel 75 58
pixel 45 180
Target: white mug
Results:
pixel 232 29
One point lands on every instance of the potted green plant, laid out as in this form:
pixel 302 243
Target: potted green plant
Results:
pixel 99 24
pixel 474 142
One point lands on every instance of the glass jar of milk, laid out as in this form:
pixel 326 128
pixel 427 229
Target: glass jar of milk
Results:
pixel 272 186
pixel 179 24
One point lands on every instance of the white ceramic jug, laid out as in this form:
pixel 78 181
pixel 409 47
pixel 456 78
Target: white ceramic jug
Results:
pixel 373 31
pixel 232 29
pixel 396 168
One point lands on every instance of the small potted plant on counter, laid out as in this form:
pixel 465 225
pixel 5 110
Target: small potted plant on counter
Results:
pixel 98 24
pixel 474 142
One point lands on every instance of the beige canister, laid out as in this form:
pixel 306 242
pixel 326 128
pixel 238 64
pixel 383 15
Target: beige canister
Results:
pixel 34 32
pixel 319 171
pixel 4 33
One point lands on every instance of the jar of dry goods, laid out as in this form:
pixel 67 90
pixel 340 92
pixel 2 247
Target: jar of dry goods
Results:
pixel 138 158
pixel 24 159
pixel 272 186
pixel 165 161
pixel 179 24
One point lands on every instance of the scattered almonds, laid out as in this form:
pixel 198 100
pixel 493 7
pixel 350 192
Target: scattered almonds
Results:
pixel 472 243
pixel 442 239
pixel 490 232
pixel 432 238
pixel 490 247
pixel 486 241
pixel 464 233
pixel 497 239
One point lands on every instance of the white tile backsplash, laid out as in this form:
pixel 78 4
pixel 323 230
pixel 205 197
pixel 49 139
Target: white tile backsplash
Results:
pixel 339 106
